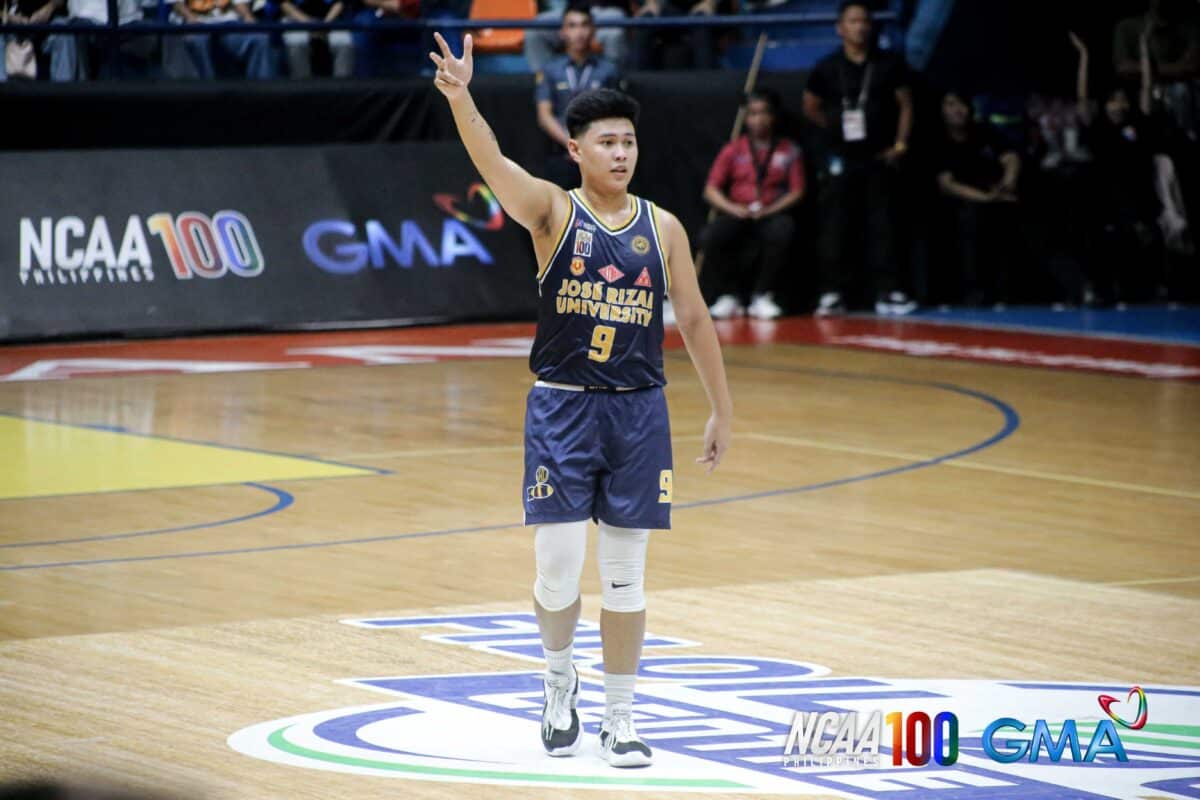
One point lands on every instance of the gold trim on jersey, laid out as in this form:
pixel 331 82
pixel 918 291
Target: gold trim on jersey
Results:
pixel 558 243
pixel 633 215
pixel 662 251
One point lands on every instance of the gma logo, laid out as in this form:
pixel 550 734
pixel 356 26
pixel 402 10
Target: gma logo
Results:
pixel 1007 751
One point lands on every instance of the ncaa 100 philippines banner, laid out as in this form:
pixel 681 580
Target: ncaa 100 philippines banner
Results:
pixel 142 242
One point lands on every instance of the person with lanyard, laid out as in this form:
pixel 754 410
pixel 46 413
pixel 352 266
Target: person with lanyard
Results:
pixel 754 183
pixel 563 78
pixel 860 96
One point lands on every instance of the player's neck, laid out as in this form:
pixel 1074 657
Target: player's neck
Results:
pixel 578 56
pixel 610 206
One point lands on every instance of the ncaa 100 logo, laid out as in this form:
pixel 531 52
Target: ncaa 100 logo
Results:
pixel 71 250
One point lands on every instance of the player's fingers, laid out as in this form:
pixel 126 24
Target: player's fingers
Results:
pixel 468 45
pixel 441 43
pixel 436 59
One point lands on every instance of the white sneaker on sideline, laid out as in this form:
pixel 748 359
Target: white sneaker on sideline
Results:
pixel 763 307
pixel 830 303
pixel 726 306
pixel 895 303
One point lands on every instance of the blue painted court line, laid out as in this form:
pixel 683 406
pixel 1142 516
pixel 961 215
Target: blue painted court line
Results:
pixel 1158 324
pixel 1012 421
pixel 282 500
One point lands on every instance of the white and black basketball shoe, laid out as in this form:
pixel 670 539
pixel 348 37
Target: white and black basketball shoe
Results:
pixel 620 744
pixel 561 731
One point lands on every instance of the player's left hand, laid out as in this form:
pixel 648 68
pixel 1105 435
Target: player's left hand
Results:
pixel 453 74
pixel 716 441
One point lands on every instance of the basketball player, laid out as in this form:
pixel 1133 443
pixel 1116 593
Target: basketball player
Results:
pixel 597 440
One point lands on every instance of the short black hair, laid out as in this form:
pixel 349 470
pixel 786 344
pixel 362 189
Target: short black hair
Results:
pixel 768 96
pixel 846 5
pixel 594 104
pixel 578 7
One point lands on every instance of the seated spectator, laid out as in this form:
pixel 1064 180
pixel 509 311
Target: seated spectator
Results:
pixel 198 55
pixel 978 173
pixel 378 53
pixel 1172 33
pixel 564 77
pixel 302 46
pixel 675 48
pixel 541 44
pixel 75 57
pixel 1136 196
pixel 753 185
pixel 19 54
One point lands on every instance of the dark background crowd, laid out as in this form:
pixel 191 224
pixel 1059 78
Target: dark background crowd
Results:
pixel 940 152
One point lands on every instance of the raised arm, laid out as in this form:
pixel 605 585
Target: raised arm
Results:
pixel 1081 79
pixel 532 202
pixel 694 323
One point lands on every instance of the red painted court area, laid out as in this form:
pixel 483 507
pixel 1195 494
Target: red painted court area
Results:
pixel 512 340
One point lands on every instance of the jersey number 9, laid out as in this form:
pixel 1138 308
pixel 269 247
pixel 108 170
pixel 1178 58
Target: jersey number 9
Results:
pixel 602 342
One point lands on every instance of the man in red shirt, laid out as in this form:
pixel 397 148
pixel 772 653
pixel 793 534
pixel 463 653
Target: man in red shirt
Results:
pixel 753 184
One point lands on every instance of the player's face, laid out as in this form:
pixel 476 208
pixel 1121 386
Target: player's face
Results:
pixel 854 26
pixel 576 32
pixel 607 153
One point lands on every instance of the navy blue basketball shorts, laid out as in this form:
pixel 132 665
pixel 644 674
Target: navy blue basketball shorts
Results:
pixel 602 455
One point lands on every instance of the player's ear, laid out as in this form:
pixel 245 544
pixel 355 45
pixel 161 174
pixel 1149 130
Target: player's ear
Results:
pixel 573 150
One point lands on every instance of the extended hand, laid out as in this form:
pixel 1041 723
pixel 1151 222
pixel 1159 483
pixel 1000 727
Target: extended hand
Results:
pixel 716 441
pixel 453 74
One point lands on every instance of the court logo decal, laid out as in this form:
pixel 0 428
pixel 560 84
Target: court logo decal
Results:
pixel 721 723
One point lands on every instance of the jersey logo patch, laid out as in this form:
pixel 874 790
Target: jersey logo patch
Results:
pixel 643 279
pixel 583 243
pixel 640 245
pixel 611 273
pixel 577 266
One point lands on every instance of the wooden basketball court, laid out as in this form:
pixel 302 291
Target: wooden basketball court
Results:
pixel 179 553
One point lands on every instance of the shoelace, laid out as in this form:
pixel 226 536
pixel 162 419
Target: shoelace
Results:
pixel 558 707
pixel 620 729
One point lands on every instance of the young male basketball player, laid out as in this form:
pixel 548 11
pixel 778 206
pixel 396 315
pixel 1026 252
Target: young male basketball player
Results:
pixel 597 440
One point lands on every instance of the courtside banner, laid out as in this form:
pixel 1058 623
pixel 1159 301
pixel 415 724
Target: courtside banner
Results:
pixel 142 242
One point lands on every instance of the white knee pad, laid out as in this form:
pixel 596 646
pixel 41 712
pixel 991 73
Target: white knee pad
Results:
pixel 621 553
pixel 559 550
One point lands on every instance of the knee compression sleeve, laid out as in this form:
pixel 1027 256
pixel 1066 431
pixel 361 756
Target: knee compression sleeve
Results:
pixel 621 553
pixel 559 550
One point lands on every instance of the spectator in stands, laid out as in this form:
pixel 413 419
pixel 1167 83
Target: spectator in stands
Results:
pixel 753 185
pixel 541 44
pixel 386 54
pixel 198 55
pixel 564 77
pixel 1172 32
pixel 1137 197
pixel 675 48
pixel 74 57
pixel 335 46
pixel 978 174
pixel 18 55
pixel 861 97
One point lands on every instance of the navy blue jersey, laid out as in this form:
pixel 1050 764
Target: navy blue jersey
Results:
pixel 600 308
